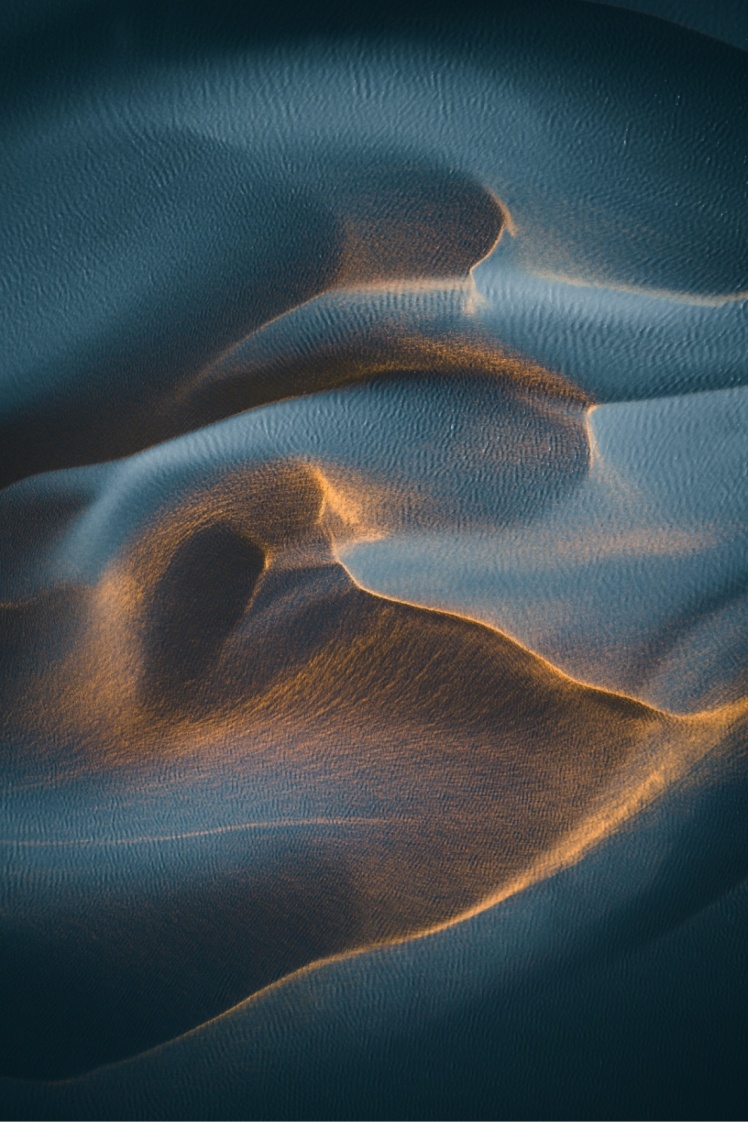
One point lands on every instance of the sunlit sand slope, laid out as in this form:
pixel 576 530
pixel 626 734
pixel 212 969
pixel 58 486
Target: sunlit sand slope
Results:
pixel 353 770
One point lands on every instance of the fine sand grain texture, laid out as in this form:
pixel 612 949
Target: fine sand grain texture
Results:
pixel 373 527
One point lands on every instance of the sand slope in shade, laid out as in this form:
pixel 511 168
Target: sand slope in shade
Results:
pixel 411 766
pixel 210 222
pixel 224 264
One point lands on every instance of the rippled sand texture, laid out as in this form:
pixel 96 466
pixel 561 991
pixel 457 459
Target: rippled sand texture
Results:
pixel 372 547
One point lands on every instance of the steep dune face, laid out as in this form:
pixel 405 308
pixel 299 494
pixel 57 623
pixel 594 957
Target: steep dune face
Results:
pixel 312 770
pixel 231 247
pixel 179 204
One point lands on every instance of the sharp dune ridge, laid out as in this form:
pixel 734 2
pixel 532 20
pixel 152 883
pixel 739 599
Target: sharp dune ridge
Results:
pixel 577 846
pixel 386 225
pixel 348 336
pixel 309 331
pixel 241 656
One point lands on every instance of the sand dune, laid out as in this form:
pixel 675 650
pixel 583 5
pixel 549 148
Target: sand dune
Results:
pixel 372 561
pixel 419 767
pixel 379 224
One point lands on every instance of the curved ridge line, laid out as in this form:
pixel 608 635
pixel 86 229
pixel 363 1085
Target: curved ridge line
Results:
pixel 578 843
pixel 461 284
pixel 456 286
pixel 724 712
pixel 693 298
pixel 146 839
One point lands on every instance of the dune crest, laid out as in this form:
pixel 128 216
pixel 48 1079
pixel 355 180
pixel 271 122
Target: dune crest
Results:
pixel 372 554
pixel 387 224
pixel 426 766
